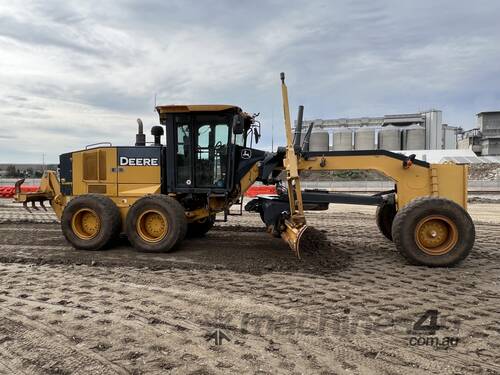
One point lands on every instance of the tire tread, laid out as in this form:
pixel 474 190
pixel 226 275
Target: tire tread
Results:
pixel 381 217
pixel 405 214
pixel 110 217
pixel 179 218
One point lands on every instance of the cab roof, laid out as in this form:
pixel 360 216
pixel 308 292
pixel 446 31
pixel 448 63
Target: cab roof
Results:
pixel 162 109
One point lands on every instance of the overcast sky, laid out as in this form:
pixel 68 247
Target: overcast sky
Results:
pixel 79 72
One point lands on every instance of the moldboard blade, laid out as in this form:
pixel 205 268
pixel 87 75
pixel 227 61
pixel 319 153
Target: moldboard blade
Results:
pixel 292 235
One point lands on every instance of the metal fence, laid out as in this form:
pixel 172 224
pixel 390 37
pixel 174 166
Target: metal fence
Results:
pixel 12 181
pixel 361 186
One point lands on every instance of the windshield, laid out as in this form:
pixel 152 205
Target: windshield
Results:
pixel 239 139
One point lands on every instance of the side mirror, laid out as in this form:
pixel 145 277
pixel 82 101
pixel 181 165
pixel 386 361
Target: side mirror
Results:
pixel 238 124
pixel 256 134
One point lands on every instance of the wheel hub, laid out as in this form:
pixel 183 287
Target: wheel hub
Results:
pixel 85 223
pixel 436 234
pixel 152 226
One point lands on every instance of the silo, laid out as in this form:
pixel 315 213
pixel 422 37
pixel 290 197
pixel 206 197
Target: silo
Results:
pixel 389 138
pixel 342 139
pixel 449 138
pixel 364 139
pixel 319 141
pixel 414 138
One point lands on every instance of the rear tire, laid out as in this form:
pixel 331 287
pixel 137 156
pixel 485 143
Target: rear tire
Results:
pixel 385 217
pixel 199 229
pixel 91 221
pixel 434 232
pixel 156 223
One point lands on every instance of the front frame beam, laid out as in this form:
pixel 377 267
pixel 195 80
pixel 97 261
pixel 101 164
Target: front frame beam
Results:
pixel 412 180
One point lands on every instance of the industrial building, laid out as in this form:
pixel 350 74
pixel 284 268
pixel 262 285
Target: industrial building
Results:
pixel 415 131
pixel 485 138
pixel 470 140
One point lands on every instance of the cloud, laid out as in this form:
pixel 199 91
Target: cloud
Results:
pixel 43 35
pixel 74 73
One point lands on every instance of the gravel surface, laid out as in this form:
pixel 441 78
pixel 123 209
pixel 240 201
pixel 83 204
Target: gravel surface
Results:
pixel 350 307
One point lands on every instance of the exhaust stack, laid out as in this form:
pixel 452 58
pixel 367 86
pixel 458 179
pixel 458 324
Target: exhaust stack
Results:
pixel 140 137
pixel 298 129
pixel 307 137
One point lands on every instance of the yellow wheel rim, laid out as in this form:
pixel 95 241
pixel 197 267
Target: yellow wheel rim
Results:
pixel 86 224
pixel 152 226
pixel 436 235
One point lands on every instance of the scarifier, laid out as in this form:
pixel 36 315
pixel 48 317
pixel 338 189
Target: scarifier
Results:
pixel 158 194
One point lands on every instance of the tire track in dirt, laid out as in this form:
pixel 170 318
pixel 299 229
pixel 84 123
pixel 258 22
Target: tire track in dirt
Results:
pixel 24 336
pixel 199 339
pixel 148 325
pixel 188 304
pixel 388 341
pixel 199 305
pixel 262 253
pixel 173 308
pixel 216 280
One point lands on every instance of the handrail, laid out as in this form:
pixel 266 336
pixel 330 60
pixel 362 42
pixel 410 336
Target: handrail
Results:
pixel 97 144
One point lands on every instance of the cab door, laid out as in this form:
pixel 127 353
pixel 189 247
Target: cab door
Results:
pixel 211 161
pixel 211 154
pixel 201 152
pixel 184 152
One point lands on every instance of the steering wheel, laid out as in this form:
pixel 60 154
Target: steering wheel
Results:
pixel 218 146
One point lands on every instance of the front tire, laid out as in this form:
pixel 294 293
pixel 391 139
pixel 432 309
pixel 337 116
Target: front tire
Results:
pixel 200 228
pixel 434 232
pixel 385 217
pixel 156 223
pixel 91 221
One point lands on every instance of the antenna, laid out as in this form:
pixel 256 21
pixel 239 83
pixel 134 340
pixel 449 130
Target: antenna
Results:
pixel 154 108
pixel 272 129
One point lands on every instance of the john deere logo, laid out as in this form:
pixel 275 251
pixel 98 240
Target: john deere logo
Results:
pixel 138 161
pixel 246 153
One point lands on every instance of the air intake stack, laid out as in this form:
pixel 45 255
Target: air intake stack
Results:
pixel 157 132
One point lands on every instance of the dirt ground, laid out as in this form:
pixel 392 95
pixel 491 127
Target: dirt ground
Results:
pixel 348 308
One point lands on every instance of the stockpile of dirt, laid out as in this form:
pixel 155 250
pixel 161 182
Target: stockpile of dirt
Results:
pixel 485 172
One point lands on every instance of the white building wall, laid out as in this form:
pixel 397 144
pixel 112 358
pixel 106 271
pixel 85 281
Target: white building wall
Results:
pixel 434 130
pixel 449 138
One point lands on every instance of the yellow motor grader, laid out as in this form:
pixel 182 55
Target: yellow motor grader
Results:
pixel 158 193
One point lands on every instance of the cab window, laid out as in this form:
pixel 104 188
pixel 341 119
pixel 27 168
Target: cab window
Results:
pixel 184 151
pixel 212 135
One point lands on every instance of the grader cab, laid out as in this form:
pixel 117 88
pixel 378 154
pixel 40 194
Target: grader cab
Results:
pixel 158 193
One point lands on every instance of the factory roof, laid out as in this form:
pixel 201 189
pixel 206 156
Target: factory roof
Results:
pixel 488 113
pixel 441 156
pixel 471 159
pixel 457 156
